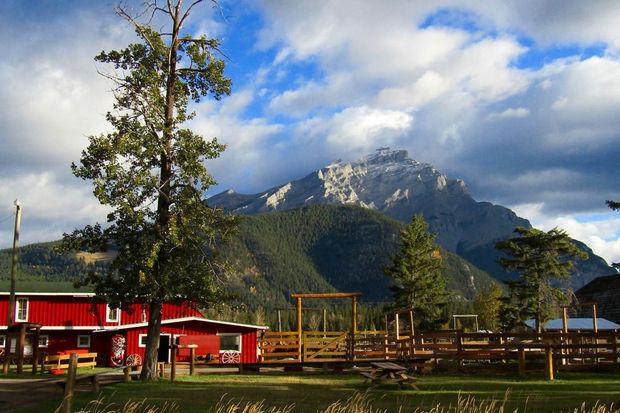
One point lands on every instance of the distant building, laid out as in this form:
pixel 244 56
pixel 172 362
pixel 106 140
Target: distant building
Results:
pixel 577 324
pixel 605 292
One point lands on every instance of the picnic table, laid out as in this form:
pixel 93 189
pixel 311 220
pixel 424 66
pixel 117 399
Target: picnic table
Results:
pixel 387 372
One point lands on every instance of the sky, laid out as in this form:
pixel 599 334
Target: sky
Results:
pixel 519 99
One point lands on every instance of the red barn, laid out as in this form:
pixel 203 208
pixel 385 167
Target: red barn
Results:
pixel 78 321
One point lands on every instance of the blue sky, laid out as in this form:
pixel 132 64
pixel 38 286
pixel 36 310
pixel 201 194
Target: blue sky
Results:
pixel 519 99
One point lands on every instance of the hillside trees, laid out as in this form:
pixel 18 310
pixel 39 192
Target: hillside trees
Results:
pixel 540 258
pixel 150 172
pixel 416 271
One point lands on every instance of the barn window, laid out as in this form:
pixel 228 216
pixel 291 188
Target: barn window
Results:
pixel 142 340
pixel 112 315
pixel 83 341
pixel 230 342
pixel 44 340
pixel 21 310
pixel 2 341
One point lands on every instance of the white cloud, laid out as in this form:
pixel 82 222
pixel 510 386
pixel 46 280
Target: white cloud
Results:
pixel 516 113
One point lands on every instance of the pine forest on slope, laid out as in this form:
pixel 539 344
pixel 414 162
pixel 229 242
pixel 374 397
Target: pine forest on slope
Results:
pixel 316 248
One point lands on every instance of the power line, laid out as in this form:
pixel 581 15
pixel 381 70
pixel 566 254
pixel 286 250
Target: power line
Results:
pixel 7 217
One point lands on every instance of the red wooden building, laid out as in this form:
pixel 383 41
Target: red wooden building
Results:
pixel 79 321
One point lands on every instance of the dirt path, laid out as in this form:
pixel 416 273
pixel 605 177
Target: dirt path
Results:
pixel 19 393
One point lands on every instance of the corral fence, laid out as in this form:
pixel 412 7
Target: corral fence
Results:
pixel 560 350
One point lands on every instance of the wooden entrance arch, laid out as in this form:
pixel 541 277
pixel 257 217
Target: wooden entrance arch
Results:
pixel 298 301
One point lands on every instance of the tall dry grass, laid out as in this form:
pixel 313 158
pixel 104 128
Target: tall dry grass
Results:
pixel 357 403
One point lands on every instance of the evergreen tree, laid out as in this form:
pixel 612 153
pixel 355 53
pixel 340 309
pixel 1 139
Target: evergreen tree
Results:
pixel 150 172
pixel 416 271
pixel 540 258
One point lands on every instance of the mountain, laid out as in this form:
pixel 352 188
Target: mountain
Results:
pixel 312 249
pixel 390 182
pixel 328 248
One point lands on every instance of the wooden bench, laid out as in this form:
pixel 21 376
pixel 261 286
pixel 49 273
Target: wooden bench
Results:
pixel 61 361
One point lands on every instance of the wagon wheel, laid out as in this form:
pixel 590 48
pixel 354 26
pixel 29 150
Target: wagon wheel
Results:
pixel 230 357
pixel 133 360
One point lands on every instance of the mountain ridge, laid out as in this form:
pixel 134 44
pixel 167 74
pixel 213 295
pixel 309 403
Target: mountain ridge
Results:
pixel 390 182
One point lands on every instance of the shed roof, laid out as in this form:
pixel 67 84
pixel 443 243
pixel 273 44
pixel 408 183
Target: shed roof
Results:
pixel 577 324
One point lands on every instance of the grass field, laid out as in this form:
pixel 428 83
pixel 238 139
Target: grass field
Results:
pixel 311 392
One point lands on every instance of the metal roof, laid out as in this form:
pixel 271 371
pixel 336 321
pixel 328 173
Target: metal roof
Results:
pixel 577 324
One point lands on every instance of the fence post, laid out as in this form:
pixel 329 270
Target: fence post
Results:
pixel 521 361
pixel 21 342
pixel 549 362
pixel 459 348
pixel 173 367
pixel 70 383
pixel 126 371
pixel 192 360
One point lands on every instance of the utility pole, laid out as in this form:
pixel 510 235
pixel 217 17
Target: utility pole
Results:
pixel 18 220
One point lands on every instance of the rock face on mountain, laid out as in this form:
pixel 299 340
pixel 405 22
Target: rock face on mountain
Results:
pixel 389 181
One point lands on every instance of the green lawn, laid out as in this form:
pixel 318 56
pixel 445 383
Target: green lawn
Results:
pixel 310 392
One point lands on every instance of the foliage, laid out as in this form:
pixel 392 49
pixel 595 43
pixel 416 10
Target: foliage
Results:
pixel 487 306
pixel 539 257
pixel 416 271
pixel 150 172
pixel 317 248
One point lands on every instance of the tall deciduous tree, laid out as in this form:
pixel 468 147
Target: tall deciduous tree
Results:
pixel 150 172
pixel 540 258
pixel 487 306
pixel 416 271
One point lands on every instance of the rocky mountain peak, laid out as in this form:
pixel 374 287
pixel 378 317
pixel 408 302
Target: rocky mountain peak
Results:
pixel 389 181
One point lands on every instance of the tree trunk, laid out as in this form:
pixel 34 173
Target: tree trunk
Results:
pixel 149 368
pixel 149 371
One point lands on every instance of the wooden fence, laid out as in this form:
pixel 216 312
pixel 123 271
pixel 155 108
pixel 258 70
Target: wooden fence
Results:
pixel 566 350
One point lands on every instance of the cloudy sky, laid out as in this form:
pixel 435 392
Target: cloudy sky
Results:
pixel 520 99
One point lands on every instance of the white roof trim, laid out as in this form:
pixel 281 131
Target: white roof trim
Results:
pixel 181 320
pixel 101 329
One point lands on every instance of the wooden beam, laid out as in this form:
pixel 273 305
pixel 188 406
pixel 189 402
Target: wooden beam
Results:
pixel 326 295
pixel 594 320
pixel 35 350
pixel 565 319
pixel 299 328
pixel 549 363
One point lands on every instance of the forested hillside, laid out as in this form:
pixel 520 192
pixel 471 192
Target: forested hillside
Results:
pixel 316 248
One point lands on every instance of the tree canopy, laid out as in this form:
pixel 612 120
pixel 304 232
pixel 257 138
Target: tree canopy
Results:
pixel 540 258
pixel 150 171
pixel 416 271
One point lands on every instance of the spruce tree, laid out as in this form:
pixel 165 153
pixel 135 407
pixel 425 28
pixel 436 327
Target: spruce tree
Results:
pixel 416 271
pixel 540 258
